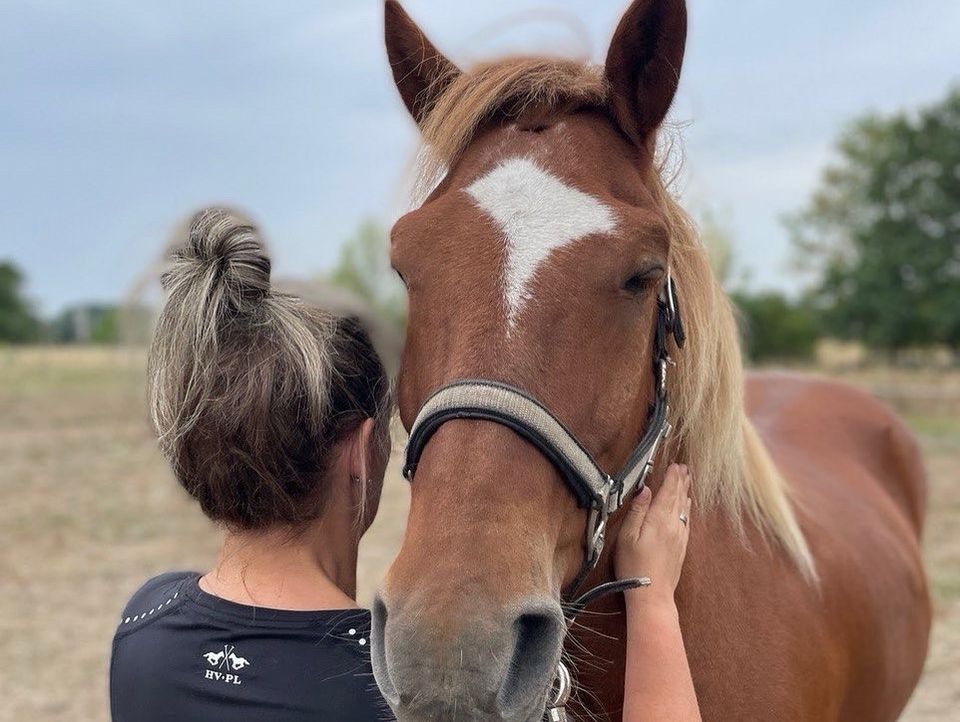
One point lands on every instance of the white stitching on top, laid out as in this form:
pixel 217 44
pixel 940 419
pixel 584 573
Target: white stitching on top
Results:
pixel 143 615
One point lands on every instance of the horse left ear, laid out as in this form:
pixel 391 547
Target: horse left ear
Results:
pixel 421 71
pixel 643 64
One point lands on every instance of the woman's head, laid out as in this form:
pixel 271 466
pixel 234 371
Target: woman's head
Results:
pixel 254 395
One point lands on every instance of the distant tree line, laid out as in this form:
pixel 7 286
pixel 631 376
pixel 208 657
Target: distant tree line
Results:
pixel 881 234
pixel 86 323
pixel 364 269
pixel 773 326
pixel 20 322
pixel 879 238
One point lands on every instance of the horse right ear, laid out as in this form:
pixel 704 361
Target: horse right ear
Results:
pixel 420 71
pixel 643 64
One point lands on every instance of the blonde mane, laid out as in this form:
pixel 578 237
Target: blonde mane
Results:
pixel 733 469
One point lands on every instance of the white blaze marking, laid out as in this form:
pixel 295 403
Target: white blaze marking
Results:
pixel 538 213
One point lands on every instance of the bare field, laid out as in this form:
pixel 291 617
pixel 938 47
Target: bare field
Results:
pixel 89 510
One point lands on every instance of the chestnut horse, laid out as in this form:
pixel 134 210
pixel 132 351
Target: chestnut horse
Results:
pixel 535 260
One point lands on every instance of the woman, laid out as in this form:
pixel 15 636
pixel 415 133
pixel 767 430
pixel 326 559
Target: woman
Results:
pixel 274 417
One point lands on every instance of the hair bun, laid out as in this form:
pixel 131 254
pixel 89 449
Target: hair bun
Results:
pixel 225 247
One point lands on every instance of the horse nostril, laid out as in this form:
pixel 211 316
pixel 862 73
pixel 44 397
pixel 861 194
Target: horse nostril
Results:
pixel 538 635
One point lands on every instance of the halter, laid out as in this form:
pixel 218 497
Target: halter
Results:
pixel 595 490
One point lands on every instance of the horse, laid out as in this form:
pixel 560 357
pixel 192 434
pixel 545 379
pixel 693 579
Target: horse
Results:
pixel 536 258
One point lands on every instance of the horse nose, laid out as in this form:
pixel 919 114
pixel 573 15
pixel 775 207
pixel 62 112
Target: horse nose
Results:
pixel 496 671
pixel 538 634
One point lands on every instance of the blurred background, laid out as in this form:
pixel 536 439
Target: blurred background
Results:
pixel 820 146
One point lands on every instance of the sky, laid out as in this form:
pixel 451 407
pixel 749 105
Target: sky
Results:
pixel 119 118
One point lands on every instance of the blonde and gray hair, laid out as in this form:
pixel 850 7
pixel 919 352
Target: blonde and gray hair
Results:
pixel 250 390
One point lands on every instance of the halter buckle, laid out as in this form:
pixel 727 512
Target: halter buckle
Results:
pixel 597 522
pixel 596 538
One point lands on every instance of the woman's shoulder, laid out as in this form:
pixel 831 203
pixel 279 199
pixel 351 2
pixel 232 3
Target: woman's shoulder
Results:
pixel 197 656
pixel 154 598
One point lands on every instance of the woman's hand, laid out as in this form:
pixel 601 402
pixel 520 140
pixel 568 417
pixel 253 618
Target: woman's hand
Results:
pixel 653 539
pixel 653 542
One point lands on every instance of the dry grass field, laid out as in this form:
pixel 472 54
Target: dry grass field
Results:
pixel 89 511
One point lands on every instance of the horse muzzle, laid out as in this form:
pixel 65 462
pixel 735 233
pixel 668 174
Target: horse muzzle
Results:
pixel 495 666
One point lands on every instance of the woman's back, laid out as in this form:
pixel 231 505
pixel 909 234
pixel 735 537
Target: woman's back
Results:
pixel 183 654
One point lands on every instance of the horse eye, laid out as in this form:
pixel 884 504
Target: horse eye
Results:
pixel 642 281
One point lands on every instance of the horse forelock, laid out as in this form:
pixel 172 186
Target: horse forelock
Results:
pixel 734 471
pixel 507 87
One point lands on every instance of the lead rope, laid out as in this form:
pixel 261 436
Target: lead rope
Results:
pixel 556 710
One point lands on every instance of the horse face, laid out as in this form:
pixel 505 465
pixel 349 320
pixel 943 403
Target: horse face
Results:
pixel 535 262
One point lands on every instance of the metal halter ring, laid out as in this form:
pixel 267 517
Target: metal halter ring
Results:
pixel 564 685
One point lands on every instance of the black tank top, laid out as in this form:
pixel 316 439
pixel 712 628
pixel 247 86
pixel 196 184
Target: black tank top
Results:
pixel 181 654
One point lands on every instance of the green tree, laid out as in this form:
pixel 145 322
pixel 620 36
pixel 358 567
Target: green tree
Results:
pixel 774 328
pixel 364 269
pixel 882 232
pixel 18 322
pixel 106 330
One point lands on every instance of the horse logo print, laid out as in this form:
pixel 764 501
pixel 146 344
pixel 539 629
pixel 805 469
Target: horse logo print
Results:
pixel 237 663
pixel 223 664
pixel 214 659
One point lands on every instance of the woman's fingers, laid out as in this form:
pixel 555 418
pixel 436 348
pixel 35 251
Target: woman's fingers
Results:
pixel 636 513
pixel 653 537
pixel 685 538
pixel 683 493
pixel 629 561
pixel 667 500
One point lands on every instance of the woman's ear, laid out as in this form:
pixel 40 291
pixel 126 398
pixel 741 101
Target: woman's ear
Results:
pixel 365 452
pixel 643 65
pixel 420 71
pixel 367 460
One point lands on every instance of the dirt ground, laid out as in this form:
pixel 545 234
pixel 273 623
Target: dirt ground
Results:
pixel 88 510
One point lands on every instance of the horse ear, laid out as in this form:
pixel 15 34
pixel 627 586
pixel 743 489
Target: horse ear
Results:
pixel 420 71
pixel 643 64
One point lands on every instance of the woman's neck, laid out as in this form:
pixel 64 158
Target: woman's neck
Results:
pixel 311 569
